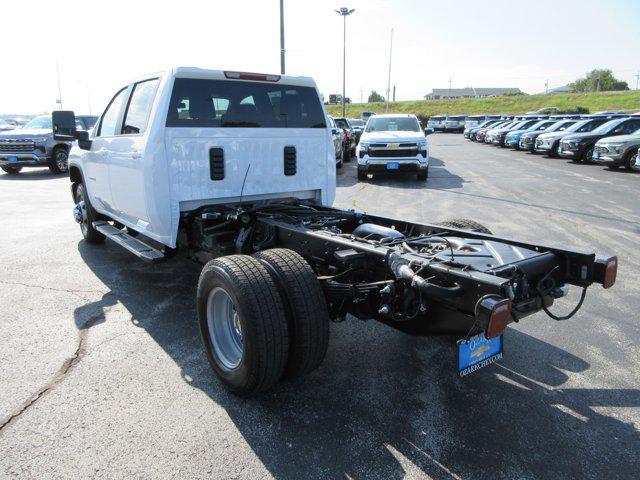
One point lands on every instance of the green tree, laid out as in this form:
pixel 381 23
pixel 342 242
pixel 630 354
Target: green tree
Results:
pixel 375 97
pixel 598 80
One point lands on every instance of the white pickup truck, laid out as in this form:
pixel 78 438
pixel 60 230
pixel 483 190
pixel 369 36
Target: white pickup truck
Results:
pixel 237 171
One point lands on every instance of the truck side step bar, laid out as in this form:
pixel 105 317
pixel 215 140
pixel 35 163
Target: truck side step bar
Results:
pixel 135 246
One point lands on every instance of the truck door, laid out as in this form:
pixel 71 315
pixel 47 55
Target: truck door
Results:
pixel 129 156
pixel 96 164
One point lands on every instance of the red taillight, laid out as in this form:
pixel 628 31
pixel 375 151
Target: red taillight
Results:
pixel 261 77
pixel 499 318
pixel 610 272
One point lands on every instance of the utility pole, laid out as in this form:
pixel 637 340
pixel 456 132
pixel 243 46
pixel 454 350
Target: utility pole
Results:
pixel 59 100
pixel 449 87
pixel 637 79
pixel 546 87
pixel 361 98
pixel 389 77
pixel 88 99
pixel 394 93
pixel 282 37
pixel 344 12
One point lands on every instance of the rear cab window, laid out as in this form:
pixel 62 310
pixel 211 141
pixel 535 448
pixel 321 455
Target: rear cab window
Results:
pixel 243 104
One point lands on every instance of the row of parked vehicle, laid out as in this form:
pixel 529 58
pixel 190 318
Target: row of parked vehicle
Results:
pixel 609 138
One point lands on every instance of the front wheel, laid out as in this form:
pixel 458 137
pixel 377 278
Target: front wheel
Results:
pixel 346 154
pixel 243 324
pixel 630 160
pixel 362 175
pixel 587 156
pixel 11 170
pixel 422 176
pixel 85 216
pixel 60 161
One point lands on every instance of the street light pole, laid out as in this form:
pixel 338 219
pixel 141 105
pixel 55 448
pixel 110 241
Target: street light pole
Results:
pixel 389 76
pixel 282 37
pixel 343 12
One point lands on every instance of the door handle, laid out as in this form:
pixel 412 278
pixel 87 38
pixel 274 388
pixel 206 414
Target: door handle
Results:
pixel 136 155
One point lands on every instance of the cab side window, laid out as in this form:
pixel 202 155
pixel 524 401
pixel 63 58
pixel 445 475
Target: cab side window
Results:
pixel 139 108
pixel 110 118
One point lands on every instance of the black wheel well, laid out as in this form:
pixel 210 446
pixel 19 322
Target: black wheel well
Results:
pixel 62 146
pixel 75 175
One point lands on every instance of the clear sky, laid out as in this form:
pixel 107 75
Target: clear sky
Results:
pixel 99 44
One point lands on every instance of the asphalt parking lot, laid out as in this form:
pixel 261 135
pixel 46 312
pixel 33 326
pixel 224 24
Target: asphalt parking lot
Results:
pixel 103 374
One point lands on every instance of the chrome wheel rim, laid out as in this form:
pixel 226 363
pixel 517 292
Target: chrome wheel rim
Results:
pixel 84 222
pixel 225 329
pixel 61 161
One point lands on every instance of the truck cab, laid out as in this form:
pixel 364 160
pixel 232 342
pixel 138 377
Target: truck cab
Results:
pixel 172 141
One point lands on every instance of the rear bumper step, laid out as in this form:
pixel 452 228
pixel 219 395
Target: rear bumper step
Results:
pixel 135 246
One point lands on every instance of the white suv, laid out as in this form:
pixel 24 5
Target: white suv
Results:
pixel 393 143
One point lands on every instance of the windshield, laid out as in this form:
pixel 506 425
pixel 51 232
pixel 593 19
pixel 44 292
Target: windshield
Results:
pixel 607 127
pixel 241 104
pixel 341 123
pixel 562 125
pixel 437 119
pixel 455 119
pixel 40 122
pixel 356 123
pixel 393 124
pixel 4 123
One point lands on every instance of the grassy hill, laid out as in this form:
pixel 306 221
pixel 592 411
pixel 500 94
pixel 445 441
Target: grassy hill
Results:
pixel 627 100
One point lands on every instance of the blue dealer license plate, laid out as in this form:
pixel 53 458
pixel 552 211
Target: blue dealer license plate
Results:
pixel 12 159
pixel 393 166
pixel 478 352
pixel 596 155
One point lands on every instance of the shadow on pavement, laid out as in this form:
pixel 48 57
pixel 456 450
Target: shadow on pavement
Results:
pixel 30 174
pixel 384 403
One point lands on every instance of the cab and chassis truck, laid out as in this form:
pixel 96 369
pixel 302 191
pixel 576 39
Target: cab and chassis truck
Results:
pixel 237 171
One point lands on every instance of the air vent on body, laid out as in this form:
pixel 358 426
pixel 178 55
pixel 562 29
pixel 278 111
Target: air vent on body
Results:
pixel 216 163
pixel 289 161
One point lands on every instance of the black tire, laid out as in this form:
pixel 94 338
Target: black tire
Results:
pixel 11 170
pixel 346 154
pixel 587 156
pixel 339 164
pixel 422 176
pixel 260 313
pixel 362 175
pixel 630 159
pixel 305 309
pixel 466 224
pixel 60 161
pixel 89 215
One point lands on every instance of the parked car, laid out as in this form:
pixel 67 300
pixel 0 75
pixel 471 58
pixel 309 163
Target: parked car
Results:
pixel 579 147
pixel 454 124
pixel 481 134
pixel 498 136
pixel 393 144
pixel 6 126
pixel 34 146
pixel 337 136
pixel 357 126
pixel 437 123
pixel 550 142
pixel 528 139
pixel 470 132
pixel 473 121
pixel 512 140
pixel 350 136
pixel 618 151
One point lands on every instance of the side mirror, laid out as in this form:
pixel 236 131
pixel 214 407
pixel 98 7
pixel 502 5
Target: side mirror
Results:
pixel 429 131
pixel 64 125
pixel 83 139
pixel 335 131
